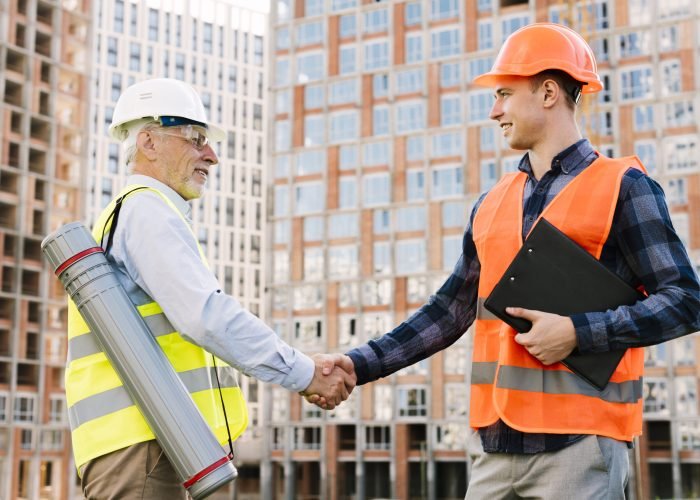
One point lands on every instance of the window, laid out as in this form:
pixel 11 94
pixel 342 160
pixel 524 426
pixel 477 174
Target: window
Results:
pixel 643 117
pixel 455 358
pixel 447 181
pixel 344 126
pixel 380 120
pixel 343 92
pixel 686 392
pixel 280 266
pixel 450 437
pixel 342 4
pixel 308 331
pixel 487 138
pixel 309 296
pixel 135 56
pixel 410 116
pixel 450 74
pixel 314 130
pixel 670 77
pixel 314 96
pixel 313 7
pixel 153 25
pixel 4 397
pixel 684 350
pixel 636 83
pixel 511 24
pixel 119 16
pixel 489 175
pixel 378 437
pixel 376 55
pixel 639 12
pixel 447 144
pixel 484 5
pixel 415 148
pixel 281 166
pixel 410 256
pixel 380 222
pixel 689 435
pixel 655 355
pixel 413 14
pixel 347 60
pixel 444 43
pixel 310 67
pixel 380 85
pixel 412 402
pixel 311 161
pixel 456 401
pixel 414 47
pixel 57 409
pixel 282 73
pixel 310 197
pixel 410 81
pixel 283 101
pixel 313 263
pixel 376 21
pixel 347 331
pixel 309 34
pixel 681 153
pixel 454 214
pixel 283 231
pixel 348 157
pixel 480 103
pixel 342 261
pixel 343 226
pixel 376 189
pixel 674 8
pixel 381 258
pixel 347 192
pixel 668 39
pixel 443 9
pixel 646 151
pixel 479 66
pixel 655 396
pixel 676 191
pixel 313 228
pixel 383 398
pixel 415 185
pixel 450 110
pixel 593 16
pixel 485 34
pixel 283 137
pixel 376 153
pixel 348 25
pixel 680 113
pixel 410 219
pixel 634 44
pixel 24 408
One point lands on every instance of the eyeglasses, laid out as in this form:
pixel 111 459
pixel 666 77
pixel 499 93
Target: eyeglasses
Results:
pixel 198 138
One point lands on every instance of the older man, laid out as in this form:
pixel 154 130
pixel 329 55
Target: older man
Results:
pixel 147 236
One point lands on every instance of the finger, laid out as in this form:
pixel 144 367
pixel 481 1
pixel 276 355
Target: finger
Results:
pixel 522 339
pixel 313 398
pixel 327 364
pixel 521 312
pixel 346 363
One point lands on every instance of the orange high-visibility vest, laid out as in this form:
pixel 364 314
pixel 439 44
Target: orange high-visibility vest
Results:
pixel 509 383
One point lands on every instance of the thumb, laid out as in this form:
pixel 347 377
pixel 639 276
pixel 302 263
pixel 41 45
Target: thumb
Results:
pixel 520 338
pixel 520 312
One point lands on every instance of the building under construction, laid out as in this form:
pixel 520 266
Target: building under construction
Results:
pixel 380 145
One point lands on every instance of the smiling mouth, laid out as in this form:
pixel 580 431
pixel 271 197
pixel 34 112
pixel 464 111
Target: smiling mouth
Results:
pixel 506 126
pixel 202 173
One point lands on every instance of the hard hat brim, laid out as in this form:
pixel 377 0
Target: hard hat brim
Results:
pixel 493 78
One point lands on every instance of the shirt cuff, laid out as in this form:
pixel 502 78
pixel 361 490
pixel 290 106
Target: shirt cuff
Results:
pixel 591 332
pixel 367 363
pixel 301 374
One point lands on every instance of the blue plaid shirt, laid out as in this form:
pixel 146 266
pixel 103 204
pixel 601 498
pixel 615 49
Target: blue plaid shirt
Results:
pixel 643 249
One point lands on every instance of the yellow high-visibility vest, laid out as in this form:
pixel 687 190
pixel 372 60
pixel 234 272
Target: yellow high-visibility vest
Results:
pixel 102 416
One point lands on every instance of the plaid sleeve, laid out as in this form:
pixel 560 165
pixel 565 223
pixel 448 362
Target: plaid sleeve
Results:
pixel 658 260
pixel 435 326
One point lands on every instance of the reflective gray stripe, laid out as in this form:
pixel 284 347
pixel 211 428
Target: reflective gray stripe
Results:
pixel 86 345
pixel 104 403
pixel 483 372
pixel 562 382
pixel 482 312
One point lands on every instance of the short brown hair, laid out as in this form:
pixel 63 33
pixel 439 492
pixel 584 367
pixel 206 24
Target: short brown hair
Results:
pixel 571 86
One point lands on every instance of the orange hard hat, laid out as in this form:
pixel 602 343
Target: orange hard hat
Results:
pixel 542 46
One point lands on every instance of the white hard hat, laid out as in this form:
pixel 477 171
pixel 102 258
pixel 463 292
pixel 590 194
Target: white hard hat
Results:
pixel 170 101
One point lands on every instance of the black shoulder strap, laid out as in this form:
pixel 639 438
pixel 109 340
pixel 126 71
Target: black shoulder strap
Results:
pixel 114 217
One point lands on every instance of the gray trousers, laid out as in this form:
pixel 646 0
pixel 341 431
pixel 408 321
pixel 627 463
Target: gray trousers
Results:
pixel 140 471
pixel 593 468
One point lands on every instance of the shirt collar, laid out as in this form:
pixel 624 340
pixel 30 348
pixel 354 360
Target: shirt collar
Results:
pixel 568 161
pixel 177 200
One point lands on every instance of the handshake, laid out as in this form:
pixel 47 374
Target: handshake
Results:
pixel 333 381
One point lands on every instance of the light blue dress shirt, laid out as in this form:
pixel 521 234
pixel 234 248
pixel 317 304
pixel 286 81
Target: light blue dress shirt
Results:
pixel 155 251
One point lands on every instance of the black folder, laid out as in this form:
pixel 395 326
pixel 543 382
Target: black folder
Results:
pixel 552 273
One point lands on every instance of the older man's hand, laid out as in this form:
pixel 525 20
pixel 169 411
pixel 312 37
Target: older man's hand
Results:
pixel 333 380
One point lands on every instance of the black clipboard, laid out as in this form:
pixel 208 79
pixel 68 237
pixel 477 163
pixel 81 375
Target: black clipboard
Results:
pixel 552 273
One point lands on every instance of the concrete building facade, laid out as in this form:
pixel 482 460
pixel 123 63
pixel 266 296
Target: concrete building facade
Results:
pixel 44 78
pixel 380 145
